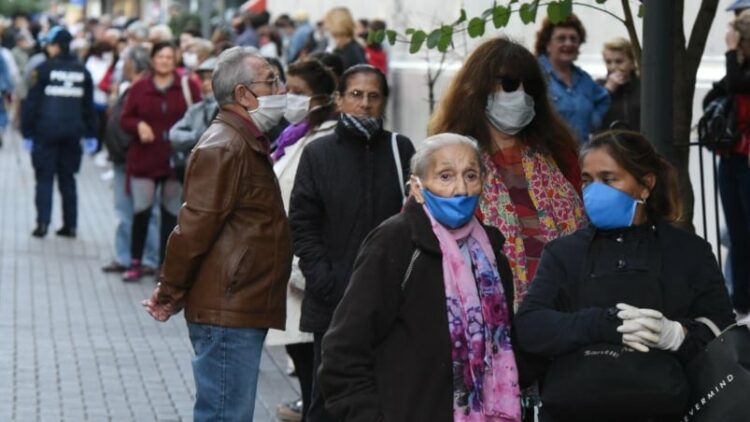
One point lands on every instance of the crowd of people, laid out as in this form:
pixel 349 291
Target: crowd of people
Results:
pixel 254 178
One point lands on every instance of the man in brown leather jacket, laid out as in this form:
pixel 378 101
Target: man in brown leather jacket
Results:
pixel 228 260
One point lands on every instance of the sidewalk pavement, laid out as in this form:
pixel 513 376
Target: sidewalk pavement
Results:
pixel 75 343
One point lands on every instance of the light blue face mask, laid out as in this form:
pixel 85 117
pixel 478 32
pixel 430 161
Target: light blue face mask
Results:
pixel 607 207
pixel 453 211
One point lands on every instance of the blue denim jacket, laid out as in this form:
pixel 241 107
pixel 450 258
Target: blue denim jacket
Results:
pixel 583 105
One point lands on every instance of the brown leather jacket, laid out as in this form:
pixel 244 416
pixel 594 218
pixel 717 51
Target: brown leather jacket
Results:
pixel 229 258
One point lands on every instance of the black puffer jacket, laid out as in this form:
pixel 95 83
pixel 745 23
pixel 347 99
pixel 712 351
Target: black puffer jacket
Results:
pixel 345 186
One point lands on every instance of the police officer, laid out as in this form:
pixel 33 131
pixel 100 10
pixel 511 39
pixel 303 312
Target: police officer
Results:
pixel 57 113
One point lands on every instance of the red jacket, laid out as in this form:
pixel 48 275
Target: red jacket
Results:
pixel 160 110
pixel 742 106
pixel 377 57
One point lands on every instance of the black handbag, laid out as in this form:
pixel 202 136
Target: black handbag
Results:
pixel 720 378
pixel 607 378
pixel 717 128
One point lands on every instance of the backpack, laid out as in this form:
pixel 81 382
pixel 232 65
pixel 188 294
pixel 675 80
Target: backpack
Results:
pixel 718 128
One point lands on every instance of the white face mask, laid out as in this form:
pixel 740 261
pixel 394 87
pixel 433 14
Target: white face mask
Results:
pixel 269 112
pixel 296 108
pixel 510 112
pixel 190 60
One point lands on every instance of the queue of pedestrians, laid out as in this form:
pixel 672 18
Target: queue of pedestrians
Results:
pixel 459 277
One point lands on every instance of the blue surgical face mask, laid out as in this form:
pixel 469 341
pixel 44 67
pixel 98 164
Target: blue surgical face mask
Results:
pixel 607 207
pixel 453 211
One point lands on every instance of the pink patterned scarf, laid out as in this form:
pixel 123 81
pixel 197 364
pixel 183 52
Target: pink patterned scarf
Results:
pixel 558 205
pixel 484 367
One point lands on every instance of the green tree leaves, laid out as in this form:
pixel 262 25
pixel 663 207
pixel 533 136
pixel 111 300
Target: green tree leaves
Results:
pixel 476 27
pixel 500 16
pixel 558 11
pixel 528 11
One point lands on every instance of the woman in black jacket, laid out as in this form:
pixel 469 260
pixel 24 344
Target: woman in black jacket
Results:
pixel 631 278
pixel 347 183
pixel 424 332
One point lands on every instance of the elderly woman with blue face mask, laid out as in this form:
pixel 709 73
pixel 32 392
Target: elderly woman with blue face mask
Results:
pixel 532 183
pixel 615 305
pixel 424 331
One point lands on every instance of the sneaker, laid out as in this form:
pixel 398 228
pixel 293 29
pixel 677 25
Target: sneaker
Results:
pixel 134 272
pixel 291 412
pixel 150 271
pixel 66 231
pixel 114 267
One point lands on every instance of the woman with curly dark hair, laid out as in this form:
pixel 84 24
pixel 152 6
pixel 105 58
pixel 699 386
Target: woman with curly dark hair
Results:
pixel 532 184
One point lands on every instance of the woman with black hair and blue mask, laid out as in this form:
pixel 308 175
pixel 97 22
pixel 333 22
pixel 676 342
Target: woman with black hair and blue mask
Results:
pixel 424 331
pixel 629 282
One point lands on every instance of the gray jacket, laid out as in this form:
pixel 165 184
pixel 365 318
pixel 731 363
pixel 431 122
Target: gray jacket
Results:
pixel 185 133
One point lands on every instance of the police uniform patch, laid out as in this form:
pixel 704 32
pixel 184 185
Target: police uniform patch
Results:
pixel 34 77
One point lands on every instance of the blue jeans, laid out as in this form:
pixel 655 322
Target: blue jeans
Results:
pixel 225 368
pixel 124 211
pixel 734 186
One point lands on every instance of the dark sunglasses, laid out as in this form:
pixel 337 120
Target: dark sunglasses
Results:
pixel 509 84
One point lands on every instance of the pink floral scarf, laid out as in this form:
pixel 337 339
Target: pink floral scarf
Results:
pixel 485 377
pixel 558 205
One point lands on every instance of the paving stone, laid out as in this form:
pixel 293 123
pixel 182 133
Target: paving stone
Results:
pixel 76 343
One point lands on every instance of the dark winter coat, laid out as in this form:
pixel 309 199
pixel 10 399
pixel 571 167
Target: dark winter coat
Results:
pixel 351 54
pixel 345 186
pixel 625 109
pixel 692 286
pixel 387 355
pixel 115 139
pixel 60 103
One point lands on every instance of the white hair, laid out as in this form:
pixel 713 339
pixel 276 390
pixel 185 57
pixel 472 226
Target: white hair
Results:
pixel 421 159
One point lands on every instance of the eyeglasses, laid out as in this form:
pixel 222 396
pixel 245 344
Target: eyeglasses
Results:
pixel 509 84
pixel 271 83
pixel 560 39
pixel 357 95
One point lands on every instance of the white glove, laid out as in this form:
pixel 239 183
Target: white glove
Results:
pixel 649 328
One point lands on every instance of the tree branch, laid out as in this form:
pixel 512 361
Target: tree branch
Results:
pixel 699 34
pixel 465 28
pixel 630 25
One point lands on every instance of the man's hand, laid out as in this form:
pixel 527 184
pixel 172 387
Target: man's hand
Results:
pixel 159 311
pixel 145 133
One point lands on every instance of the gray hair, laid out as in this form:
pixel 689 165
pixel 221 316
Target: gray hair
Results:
pixel 231 71
pixel 137 30
pixel 421 159
pixel 139 56
pixel 160 33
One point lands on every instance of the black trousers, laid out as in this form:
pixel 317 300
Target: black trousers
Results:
pixel 317 411
pixel 303 356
